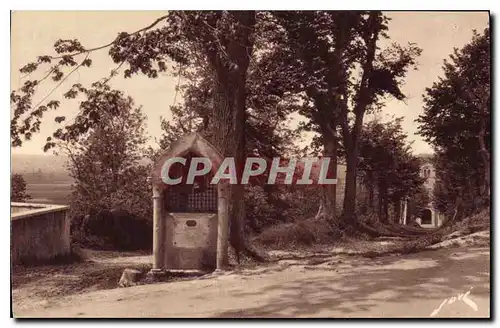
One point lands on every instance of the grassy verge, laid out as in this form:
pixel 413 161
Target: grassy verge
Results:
pixel 316 236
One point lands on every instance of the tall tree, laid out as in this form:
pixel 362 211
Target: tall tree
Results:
pixel 382 74
pixel 321 54
pixel 221 41
pixel 332 59
pixel 267 131
pixel 386 165
pixel 457 122
pixel 104 161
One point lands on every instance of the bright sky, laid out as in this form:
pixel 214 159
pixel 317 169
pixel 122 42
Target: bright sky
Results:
pixel 34 33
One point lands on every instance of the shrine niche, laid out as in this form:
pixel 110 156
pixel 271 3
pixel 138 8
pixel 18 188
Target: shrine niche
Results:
pixel 190 218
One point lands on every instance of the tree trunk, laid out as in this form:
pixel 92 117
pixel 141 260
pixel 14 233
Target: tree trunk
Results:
pixel 350 136
pixel 370 195
pixel 229 119
pixel 456 214
pixel 397 210
pixel 349 209
pixel 379 200
pixel 237 236
pixel 328 198
pixel 410 209
pixel 385 208
pixel 222 128
pixel 382 202
pixel 485 155
pixel 404 214
pixel 321 208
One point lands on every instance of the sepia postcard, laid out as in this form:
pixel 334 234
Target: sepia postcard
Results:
pixel 250 164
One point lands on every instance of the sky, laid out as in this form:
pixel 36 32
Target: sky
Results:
pixel 33 33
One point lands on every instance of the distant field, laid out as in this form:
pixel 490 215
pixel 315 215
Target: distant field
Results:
pixel 49 193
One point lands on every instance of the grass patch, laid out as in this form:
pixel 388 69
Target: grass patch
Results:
pixel 74 256
pixel 63 280
pixel 305 233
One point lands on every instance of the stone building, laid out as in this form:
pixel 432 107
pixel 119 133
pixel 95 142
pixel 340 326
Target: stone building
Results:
pixel 429 217
pixel 190 220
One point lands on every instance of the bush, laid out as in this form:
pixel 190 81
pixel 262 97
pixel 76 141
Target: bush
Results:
pixel 18 188
pixel 119 220
pixel 74 256
pixel 479 219
pixel 263 208
pixel 297 234
pixel 270 205
pixel 113 230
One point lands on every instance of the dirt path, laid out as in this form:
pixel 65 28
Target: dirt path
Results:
pixel 34 287
pixel 341 286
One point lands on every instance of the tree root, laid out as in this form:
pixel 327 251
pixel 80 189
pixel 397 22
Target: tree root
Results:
pixel 253 254
pixel 241 247
pixel 352 225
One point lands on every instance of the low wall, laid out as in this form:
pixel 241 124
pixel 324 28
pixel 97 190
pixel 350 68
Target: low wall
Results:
pixel 39 232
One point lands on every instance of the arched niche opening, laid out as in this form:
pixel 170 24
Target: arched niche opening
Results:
pixel 190 220
pixel 426 216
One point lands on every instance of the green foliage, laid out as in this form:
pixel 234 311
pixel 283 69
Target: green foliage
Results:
pixel 387 166
pixel 302 233
pixel 244 72
pixel 263 208
pixel 331 61
pixel 268 136
pixel 457 122
pixel 104 163
pixel 265 126
pixel 18 188
pixel 269 205
pixel 70 57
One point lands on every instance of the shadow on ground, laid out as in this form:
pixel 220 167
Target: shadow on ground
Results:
pixel 102 270
pixel 422 277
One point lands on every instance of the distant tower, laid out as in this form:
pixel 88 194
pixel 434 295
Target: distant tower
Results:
pixel 428 172
pixel 429 216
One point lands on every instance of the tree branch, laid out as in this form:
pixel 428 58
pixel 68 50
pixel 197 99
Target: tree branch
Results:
pixel 156 22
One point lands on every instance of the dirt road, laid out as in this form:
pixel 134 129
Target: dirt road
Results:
pixel 411 286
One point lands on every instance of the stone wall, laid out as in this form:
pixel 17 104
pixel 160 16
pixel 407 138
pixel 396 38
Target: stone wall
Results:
pixel 190 241
pixel 39 232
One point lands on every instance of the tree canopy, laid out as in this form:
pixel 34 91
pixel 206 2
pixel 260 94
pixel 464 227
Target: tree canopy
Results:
pixel 457 122
pixel 387 166
pixel 244 74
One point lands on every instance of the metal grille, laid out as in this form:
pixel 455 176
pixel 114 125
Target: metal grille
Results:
pixel 196 198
